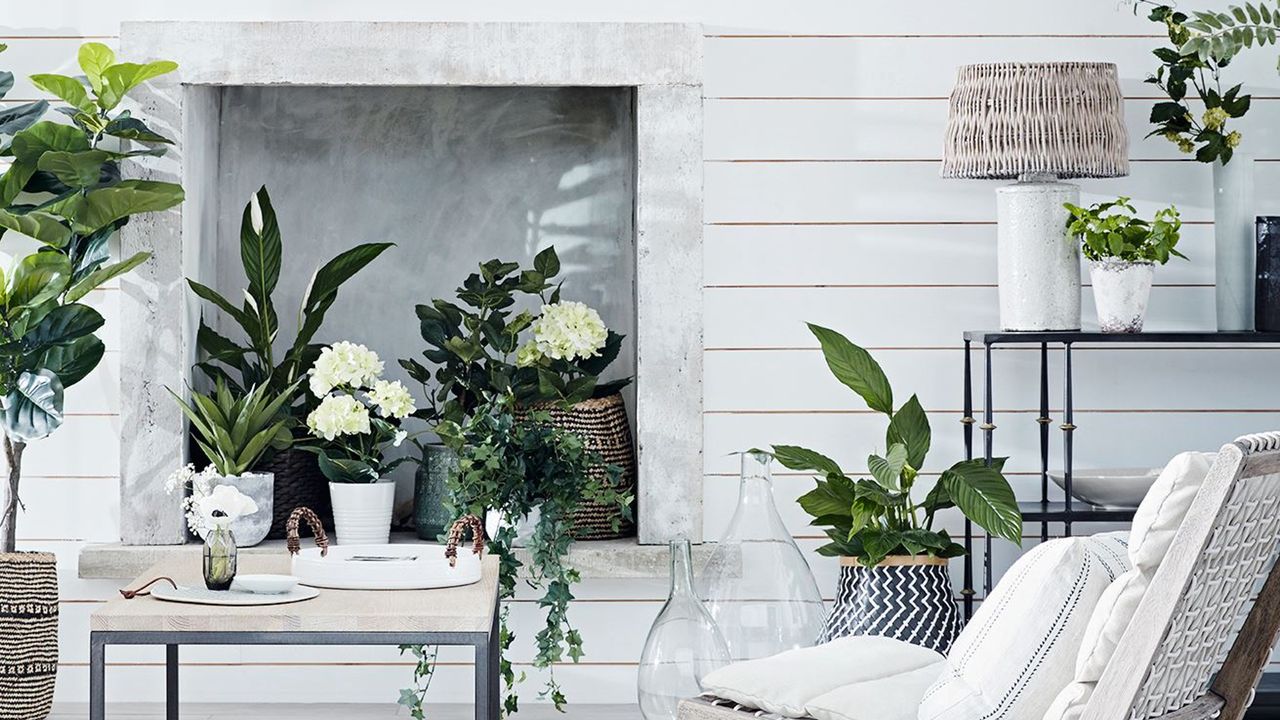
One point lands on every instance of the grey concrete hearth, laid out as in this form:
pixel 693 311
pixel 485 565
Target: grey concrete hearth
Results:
pixel 658 69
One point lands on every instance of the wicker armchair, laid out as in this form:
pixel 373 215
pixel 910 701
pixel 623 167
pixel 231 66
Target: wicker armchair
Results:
pixel 1182 658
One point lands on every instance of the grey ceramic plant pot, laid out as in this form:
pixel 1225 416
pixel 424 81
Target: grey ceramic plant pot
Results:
pixel 252 529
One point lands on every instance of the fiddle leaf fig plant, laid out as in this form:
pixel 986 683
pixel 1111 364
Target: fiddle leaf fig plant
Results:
pixel 64 189
pixel 873 518
pixel 259 358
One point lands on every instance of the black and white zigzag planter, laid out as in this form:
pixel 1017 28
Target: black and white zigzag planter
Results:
pixel 907 598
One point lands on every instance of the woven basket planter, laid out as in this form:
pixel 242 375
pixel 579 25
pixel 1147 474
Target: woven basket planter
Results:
pixel 908 598
pixel 602 424
pixel 28 634
pixel 299 483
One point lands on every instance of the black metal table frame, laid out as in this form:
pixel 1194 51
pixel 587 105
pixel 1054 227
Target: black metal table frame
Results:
pixel 1071 510
pixel 487 693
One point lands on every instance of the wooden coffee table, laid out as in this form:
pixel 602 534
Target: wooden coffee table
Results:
pixel 448 616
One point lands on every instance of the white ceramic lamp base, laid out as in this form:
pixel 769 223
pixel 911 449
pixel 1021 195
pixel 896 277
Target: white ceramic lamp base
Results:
pixel 1038 263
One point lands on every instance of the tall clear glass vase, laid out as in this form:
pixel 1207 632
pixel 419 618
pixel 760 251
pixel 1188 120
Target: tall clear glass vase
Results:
pixel 757 584
pixel 684 645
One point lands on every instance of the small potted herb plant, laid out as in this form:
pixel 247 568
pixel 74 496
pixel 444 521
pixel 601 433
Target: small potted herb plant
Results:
pixel 357 421
pixel 893 556
pixel 1123 251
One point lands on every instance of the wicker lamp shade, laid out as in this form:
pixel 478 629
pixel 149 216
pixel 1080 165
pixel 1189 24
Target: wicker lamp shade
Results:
pixel 1013 119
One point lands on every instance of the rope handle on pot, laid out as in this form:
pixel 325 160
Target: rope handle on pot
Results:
pixel 143 591
pixel 293 542
pixel 455 536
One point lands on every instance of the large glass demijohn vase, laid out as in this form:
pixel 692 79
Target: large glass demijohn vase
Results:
pixel 757 584
pixel 683 645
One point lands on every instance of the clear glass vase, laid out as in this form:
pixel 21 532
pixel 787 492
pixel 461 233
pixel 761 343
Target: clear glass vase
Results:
pixel 683 645
pixel 219 558
pixel 757 584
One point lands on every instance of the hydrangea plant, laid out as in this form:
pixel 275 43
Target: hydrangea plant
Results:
pixel 359 414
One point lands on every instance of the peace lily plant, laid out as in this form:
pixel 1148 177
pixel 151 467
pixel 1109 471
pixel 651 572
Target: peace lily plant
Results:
pixel 873 518
pixel 64 188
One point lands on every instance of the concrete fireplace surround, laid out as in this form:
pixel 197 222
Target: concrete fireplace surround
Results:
pixel 662 62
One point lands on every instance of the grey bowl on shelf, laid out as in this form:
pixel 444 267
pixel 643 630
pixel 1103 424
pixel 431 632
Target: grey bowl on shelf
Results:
pixel 1110 488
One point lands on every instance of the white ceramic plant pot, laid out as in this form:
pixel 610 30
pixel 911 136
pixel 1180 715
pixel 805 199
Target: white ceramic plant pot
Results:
pixel 1120 290
pixel 251 529
pixel 362 512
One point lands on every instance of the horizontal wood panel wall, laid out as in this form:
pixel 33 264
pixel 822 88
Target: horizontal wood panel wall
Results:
pixel 823 203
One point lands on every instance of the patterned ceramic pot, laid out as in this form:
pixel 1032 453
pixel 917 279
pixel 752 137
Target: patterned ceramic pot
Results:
pixel 905 597
pixel 28 634
pixel 1121 289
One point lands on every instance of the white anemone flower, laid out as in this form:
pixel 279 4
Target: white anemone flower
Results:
pixel 229 504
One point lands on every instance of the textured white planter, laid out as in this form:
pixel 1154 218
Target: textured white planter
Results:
pixel 260 487
pixel 362 512
pixel 1038 264
pixel 1121 290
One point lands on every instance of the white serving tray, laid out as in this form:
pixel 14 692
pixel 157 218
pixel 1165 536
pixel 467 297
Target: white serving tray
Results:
pixel 205 596
pixel 406 566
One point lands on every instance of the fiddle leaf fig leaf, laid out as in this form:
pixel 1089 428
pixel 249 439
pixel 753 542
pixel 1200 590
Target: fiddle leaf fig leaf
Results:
pixel 74 169
pixel 37 278
pixel 95 58
pixel 44 227
pixel 74 361
pixel 103 274
pixel 33 408
pixel 67 89
pixel 119 79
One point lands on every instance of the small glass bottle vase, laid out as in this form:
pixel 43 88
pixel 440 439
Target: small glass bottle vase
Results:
pixel 219 558
pixel 683 645
pixel 758 586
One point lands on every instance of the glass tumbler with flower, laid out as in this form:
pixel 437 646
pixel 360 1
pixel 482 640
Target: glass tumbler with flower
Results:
pixel 356 425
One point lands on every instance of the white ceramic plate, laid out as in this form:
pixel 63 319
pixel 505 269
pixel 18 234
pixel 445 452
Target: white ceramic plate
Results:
pixel 264 584
pixel 1112 488
pixel 205 596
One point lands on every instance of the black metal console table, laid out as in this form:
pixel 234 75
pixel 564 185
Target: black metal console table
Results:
pixel 1069 510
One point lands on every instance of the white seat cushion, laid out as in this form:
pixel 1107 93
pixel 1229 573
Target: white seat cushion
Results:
pixel 1019 650
pixel 1154 524
pixel 896 697
pixel 785 682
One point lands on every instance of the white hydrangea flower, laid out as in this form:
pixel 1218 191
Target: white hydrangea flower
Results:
pixel 569 331
pixel 339 415
pixel 344 364
pixel 392 398
pixel 528 355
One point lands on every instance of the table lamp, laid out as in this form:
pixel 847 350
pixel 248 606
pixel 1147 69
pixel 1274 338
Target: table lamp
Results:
pixel 1036 123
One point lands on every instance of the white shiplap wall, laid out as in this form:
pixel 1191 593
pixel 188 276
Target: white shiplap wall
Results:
pixel 824 124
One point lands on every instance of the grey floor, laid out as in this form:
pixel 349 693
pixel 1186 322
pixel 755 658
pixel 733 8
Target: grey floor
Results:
pixel 267 711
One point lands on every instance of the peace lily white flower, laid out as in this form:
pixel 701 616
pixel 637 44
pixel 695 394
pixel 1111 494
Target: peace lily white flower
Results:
pixel 255 213
pixel 569 331
pixel 339 415
pixel 225 500
pixel 344 364
pixel 392 398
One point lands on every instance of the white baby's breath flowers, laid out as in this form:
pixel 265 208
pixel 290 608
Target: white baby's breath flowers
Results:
pixel 392 399
pixel 569 331
pixel 339 415
pixel 344 364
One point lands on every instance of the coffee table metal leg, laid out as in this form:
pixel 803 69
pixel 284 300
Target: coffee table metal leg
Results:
pixel 495 655
pixel 171 682
pixel 484 703
pixel 97 677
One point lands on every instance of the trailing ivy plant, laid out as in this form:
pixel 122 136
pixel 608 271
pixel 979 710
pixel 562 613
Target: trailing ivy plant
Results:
pixel 259 358
pixel 1112 230
pixel 64 189
pixel 517 462
pixel 871 519
pixel 1201 45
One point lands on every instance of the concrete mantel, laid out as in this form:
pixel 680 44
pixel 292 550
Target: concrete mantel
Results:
pixel 661 61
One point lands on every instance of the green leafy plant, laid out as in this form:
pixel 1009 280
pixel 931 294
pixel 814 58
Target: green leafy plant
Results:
pixel 1201 45
pixel 63 188
pixel 871 519
pixel 424 669
pixel 1112 230
pixel 234 430
pixel 515 463
pixel 259 358
pixel 475 344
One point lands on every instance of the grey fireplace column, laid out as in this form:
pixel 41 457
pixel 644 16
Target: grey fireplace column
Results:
pixel 662 62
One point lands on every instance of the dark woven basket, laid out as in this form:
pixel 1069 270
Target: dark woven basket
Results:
pixel 602 424
pixel 299 483
pixel 28 634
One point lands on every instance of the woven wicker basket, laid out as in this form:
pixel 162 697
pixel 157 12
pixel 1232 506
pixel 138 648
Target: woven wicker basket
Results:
pixel 28 634
pixel 299 483
pixel 602 424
